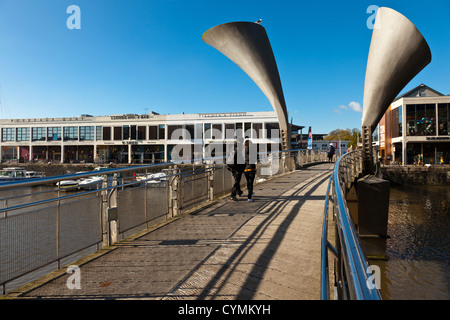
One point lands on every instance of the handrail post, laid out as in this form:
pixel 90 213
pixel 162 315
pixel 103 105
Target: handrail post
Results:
pixel 104 214
pixel 210 178
pixel 174 192
pixel 113 210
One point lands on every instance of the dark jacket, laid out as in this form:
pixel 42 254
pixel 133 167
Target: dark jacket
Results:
pixel 233 162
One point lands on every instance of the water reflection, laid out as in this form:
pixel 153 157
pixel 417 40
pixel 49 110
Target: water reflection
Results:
pixel 418 265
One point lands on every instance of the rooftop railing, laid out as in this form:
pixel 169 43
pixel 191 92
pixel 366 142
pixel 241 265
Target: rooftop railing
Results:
pixel 352 274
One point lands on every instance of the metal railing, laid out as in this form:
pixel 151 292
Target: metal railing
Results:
pixel 352 275
pixel 43 224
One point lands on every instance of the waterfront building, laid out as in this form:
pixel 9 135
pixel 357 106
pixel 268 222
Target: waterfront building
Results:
pixel 133 138
pixel 416 123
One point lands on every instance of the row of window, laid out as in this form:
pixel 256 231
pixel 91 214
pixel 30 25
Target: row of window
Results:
pixel 422 120
pixel 134 132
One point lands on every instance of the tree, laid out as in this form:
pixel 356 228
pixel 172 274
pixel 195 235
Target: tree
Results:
pixel 347 134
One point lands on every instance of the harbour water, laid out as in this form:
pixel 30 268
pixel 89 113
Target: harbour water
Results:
pixel 418 250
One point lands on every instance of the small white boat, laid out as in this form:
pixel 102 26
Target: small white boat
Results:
pixel 91 183
pixel 155 177
pixel 35 174
pixel 95 182
pixel 67 185
pixel 13 174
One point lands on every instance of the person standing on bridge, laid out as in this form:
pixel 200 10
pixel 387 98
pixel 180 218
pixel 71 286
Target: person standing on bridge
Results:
pixel 235 164
pixel 330 152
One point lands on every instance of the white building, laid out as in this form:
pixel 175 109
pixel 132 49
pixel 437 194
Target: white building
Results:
pixel 131 138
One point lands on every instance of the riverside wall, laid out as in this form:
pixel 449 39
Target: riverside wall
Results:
pixel 417 175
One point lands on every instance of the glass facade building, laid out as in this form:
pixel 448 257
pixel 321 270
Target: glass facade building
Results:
pixel 415 127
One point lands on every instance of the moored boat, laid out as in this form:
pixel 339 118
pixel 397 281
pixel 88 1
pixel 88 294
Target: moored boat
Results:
pixel 13 174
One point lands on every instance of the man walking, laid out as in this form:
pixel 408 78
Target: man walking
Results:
pixel 235 164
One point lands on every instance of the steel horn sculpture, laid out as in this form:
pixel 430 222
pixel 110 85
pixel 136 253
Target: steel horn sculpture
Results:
pixel 398 52
pixel 248 46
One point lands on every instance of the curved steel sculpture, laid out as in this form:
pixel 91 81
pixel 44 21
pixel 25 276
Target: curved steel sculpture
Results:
pixel 398 52
pixel 248 46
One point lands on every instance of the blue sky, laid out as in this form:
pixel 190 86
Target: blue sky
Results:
pixel 135 56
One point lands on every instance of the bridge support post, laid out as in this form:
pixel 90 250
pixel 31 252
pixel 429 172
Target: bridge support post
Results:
pixel 367 149
pixel 373 212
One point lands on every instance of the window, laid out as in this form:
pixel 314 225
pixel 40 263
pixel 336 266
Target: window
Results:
pixel 162 131
pixel 38 134
pixel 207 131
pixel 375 133
pixel 217 131
pixel 106 133
pixel 174 132
pixel 239 132
pixel 430 120
pixel 87 133
pixel 126 133
pixel 141 133
pixel 229 131
pixel 98 133
pixel 411 120
pixel 189 132
pixel 70 133
pixel 199 131
pixel 443 118
pixel 394 126
pixel 23 134
pixel 248 130
pixel 257 127
pixel 153 132
pixel 156 132
pixel 117 133
pixel 421 119
pixel 133 132
pixel 53 133
pixel 8 134
pixel 270 127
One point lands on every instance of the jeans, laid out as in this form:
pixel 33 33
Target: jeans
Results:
pixel 237 183
pixel 250 176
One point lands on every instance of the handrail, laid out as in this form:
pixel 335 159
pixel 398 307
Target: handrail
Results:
pixel 355 277
pixel 324 280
